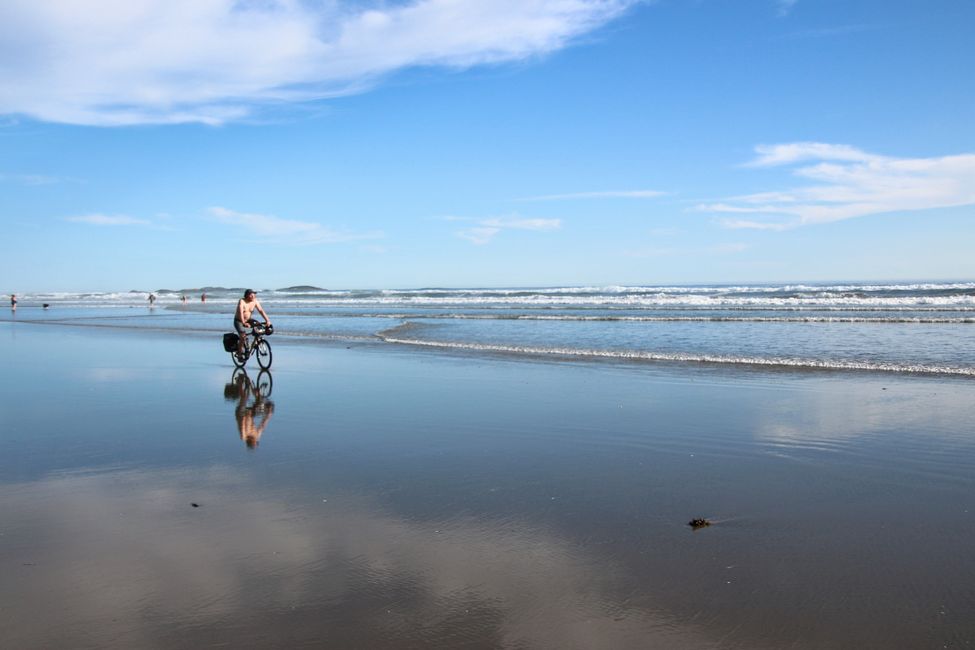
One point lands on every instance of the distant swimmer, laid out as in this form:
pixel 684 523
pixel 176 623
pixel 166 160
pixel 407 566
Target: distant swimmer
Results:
pixel 152 299
pixel 182 299
pixel 203 297
pixel 45 305
pixel 13 301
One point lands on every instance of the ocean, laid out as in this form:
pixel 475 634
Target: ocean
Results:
pixel 920 327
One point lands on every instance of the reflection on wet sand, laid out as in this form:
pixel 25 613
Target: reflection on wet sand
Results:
pixel 439 503
pixel 914 430
pixel 133 565
pixel 254 407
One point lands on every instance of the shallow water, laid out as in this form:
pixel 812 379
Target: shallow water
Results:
pixel 405 500
pixel 919 328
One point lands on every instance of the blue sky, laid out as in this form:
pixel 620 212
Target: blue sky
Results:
pixel 183 143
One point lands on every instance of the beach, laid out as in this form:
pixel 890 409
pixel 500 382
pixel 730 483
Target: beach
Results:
pixel 404 497
pixel 480 325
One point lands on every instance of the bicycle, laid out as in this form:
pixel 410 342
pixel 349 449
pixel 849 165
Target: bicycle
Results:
pixel 254 344
pixel 241 383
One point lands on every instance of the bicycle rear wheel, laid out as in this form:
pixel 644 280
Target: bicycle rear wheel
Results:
pixel 238 358
pixel 264 354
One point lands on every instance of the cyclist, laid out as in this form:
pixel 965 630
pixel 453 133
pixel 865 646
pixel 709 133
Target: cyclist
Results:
pixel 242 317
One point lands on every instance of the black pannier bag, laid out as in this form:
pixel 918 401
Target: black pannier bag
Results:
pixel 230 340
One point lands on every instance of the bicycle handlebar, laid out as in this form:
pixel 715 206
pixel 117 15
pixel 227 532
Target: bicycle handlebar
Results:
pixel 264 329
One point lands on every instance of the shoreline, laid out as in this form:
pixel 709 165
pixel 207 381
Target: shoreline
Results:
pixel 678 362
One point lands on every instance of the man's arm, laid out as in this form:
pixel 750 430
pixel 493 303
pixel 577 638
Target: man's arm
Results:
pixel 240 312
pixel 261 310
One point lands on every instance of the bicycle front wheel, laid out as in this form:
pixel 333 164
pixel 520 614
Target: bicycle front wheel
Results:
pixel 264 384
pixel 264 354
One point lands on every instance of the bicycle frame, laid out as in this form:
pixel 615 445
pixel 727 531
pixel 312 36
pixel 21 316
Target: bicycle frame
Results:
pixel 254 342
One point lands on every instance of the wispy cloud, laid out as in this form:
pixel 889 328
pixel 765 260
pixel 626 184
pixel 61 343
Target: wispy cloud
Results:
pixel 518 223
pixel 785 6
pixel 109 220
pixel 828 32
pixel 478 235
pixel 275 230
pixel 793 152
pixel 29 179
pixel 101 62
pixel 729 248
pixel 486 229
pixel 623 194
pixel 848 183
pixel 664 232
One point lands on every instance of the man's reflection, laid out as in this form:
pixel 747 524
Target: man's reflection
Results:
pixel 253 409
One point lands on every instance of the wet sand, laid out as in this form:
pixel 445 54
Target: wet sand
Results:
pixel 418 500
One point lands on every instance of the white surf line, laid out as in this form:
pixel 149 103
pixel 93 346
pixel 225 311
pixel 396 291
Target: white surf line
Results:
pixel 679 319
pixel 690 358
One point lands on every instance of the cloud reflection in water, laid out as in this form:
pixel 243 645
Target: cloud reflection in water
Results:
pixel 122 559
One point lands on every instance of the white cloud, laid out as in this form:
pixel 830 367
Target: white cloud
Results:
pixel 785 6
pixel 625 194
pixel 275 230
pixel 848 183
pixel 102 62
pixel 486 229
pixel 108 220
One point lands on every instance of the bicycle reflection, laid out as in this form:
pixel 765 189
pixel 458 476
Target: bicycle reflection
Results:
pixel 254 408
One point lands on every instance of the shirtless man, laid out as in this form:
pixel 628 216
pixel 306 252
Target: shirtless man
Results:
pixel 242 317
